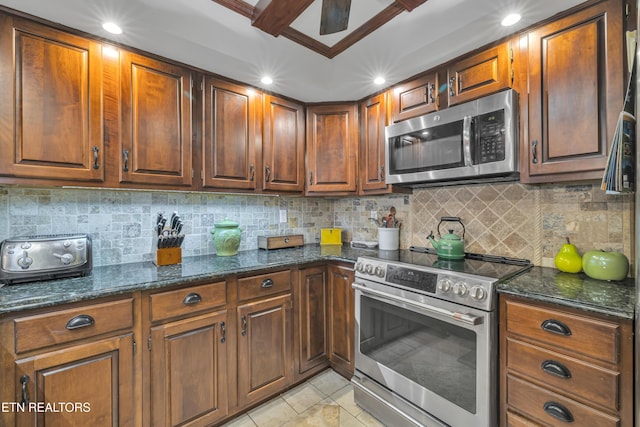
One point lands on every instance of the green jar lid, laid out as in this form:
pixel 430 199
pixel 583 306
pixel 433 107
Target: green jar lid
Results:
pixel 227 223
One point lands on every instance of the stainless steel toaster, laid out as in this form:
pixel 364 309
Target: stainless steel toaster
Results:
pixel 33 258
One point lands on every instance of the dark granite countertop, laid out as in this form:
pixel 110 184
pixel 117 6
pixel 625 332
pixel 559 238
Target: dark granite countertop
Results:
pixel 574 290
pixel 541 284
pixel 126 278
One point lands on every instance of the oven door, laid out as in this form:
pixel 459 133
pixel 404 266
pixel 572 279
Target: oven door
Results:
pixel 439 356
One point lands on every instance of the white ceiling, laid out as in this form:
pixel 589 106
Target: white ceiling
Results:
pixel 207 35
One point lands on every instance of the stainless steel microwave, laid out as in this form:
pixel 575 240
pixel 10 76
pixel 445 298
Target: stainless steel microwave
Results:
pixel 472 142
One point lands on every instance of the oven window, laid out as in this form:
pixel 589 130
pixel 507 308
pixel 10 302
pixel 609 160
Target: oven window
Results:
pixel 436 355
pixel 439 147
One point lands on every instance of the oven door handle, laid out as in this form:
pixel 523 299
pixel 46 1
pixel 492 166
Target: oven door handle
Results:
pixel 461 317
pixel 467 134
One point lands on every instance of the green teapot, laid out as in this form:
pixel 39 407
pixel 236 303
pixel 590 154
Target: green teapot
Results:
pixel 450 246
pixel 226 237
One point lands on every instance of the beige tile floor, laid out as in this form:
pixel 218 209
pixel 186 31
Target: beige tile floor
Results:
pixel 325 400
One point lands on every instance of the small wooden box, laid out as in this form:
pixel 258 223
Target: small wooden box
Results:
pixel 279 242
pixel 168 256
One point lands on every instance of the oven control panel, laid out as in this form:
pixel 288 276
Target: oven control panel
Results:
pixel 466 289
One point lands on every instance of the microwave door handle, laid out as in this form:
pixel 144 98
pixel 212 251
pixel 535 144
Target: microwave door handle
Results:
pixel 466 140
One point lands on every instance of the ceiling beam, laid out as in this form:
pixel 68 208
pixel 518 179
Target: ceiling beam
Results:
pixel 274 16
pixel 409 5
pixel 238 6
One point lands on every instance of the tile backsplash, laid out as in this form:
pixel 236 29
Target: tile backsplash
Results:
pixel 507 219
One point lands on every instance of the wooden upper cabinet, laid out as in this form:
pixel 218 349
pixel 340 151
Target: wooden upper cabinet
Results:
pixel 373 119
pixel 156 122
pixel 484 73
pixel 576 93
pixel 50 103
pixel 415 98
pixel 231 125
pixel 283 145
pixel 332 148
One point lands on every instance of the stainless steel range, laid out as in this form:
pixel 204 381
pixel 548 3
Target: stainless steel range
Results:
pixel 426 337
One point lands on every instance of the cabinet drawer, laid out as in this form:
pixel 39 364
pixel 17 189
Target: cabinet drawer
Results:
pixel 549 408
pixel 594 338
pixel 569 375
pixel 264 284
pixel 515 420
pixel 193 299
pixel 59 327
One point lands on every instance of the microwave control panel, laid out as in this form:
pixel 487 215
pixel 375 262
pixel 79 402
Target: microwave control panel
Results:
pixel 491 139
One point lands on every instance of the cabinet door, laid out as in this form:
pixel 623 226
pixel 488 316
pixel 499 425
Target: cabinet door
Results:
pixel 482 74
pixel 576 94
pixel 283 145
pixel 264 348
pixel 415 98
pixel 84 385
pixel 229 141
pixel 373 119
pixel 341 318
pixel 332 148
pixel 156 122
pixel 50 103
pixel 189 371
pixel 312 311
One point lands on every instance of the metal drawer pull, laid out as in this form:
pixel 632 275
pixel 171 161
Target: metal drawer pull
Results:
pixel 125 160
pixel 556 368
pixel 96 150
pixel 267 283
pixel 192 298
pixel 556 327
pixel 534 155
pixel 80 321
pixel 244 325
pixel 25 394
pixel 558 411
pixel 223 331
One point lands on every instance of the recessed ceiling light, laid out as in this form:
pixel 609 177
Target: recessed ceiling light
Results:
pixel 379 80
pixel 510 19
pixel 266 80
pixel 112 28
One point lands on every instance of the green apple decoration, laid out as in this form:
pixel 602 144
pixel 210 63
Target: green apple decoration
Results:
pixel 603 265
pixel 568 259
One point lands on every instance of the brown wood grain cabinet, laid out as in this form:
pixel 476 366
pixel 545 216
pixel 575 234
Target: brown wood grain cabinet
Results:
pixel 373 119
pixel 480 74
pixel 332 149
pixel 231 128
pixel 312 318
pixel 341 318
pixel 283 145
pixel 189 371
pixel 415 98
pixel 156 137
pixel 265 351
pixel 561 365
pixel 575 94
pixel 60 356
pixel 50 104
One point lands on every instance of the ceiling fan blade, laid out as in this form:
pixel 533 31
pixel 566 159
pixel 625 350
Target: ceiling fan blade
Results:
pixel 335 16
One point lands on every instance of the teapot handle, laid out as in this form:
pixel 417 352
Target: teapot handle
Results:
pixel 451 219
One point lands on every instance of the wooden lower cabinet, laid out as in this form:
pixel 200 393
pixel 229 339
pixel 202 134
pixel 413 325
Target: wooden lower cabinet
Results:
pixel 265 356
pixel 84 385
pixel 563 366
pixel 312 311
pixel 189 371
pixel 341 318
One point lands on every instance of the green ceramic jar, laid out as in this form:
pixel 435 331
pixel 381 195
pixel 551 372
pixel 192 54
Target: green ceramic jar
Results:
pixel 226 237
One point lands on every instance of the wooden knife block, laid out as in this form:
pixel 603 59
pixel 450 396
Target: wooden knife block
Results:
pixel 168 256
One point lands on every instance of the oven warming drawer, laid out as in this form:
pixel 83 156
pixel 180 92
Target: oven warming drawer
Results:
pixel 387 406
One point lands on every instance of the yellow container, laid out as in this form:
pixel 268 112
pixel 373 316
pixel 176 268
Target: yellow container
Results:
pixel 330 236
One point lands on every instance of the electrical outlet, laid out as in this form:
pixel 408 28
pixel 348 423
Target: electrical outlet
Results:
pixel 373 214
pixel 283 215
